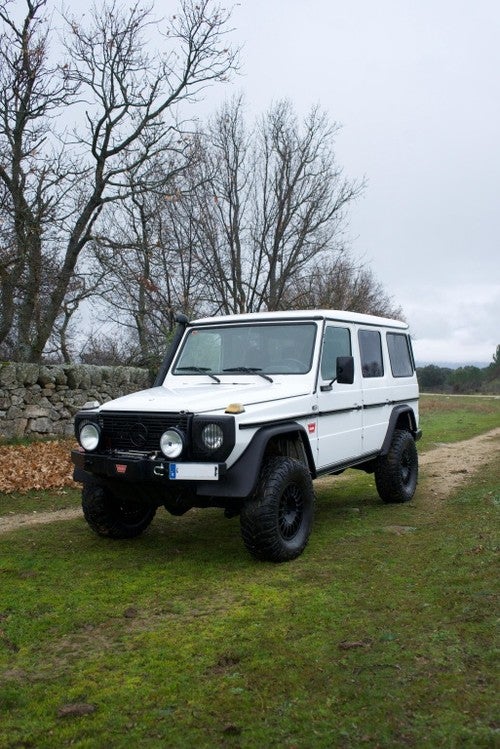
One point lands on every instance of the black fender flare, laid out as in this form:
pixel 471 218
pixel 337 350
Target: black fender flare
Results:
pixel 83 477
pixel 241 479
pixel 400 414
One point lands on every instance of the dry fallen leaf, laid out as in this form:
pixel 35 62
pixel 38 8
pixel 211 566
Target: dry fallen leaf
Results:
pixel 40 465
pixel 75 710
pixel 346 645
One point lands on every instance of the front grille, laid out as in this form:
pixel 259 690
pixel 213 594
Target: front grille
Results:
pixel 138 431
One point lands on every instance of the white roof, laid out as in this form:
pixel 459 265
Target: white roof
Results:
pixel 308 314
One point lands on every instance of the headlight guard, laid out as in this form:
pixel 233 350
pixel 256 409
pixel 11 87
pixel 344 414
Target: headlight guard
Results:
pixel 213 437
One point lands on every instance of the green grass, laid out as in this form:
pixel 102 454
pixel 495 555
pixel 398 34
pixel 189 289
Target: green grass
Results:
pixel 38 500
pixel 379 635
pixel 448 418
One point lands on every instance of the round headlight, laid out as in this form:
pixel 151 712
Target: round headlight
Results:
pixel 89 436
pixel 212 436
pixel 172 443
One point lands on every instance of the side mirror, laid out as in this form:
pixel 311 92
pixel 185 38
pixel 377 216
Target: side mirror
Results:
pixel 345 373
pixel 345 370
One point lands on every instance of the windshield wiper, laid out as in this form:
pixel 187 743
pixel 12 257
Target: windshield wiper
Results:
pixel 249 370
pixel 200 370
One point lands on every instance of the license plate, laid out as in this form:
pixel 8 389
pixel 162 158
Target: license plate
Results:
pixel 193 471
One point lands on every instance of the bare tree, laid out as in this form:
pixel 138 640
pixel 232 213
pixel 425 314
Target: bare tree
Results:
pixel 271 201
pixel 255 222
pixel 54 193
pixel 342 283
pixel 301 198
pixel 240 230
pixel 220 209
pixel 84 286
pixel 31 92
pixel 147 253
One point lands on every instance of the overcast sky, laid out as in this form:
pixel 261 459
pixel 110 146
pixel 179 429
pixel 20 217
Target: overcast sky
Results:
pixel 416 87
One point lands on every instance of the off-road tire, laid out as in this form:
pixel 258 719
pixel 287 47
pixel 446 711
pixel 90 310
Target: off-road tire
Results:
pixel 108 516
pixel 277 521
pixel 396 474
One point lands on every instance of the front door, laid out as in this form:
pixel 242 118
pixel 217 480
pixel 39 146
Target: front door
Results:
pixel 339 406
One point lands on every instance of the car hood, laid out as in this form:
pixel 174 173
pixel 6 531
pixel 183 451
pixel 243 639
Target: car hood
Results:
pixel 206 398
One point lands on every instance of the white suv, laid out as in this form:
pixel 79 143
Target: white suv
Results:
pixel 246 411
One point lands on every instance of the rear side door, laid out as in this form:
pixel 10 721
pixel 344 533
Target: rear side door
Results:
pixel 376 389
pixel 339 405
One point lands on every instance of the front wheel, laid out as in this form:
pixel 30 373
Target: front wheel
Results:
pixel 111 517
pixel 277 521
pixel 396 473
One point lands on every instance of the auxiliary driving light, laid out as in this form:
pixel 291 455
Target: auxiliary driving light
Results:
pixel 172 443
pixel 90 435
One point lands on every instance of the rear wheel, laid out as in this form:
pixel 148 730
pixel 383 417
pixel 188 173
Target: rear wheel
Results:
pixel 277 521
pixel 396 473
pixel 112 517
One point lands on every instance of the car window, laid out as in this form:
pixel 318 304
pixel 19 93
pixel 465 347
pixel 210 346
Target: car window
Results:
pixel 399 355
pixel 277 348
pixel 336 342
pixel 370 347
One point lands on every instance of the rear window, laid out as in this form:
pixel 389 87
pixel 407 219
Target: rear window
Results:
pixel 400 355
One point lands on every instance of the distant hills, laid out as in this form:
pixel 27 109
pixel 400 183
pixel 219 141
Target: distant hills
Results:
pixel 454 364
pixel 468 378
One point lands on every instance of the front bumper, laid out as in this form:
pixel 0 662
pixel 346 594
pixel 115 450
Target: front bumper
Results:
pixel 139 469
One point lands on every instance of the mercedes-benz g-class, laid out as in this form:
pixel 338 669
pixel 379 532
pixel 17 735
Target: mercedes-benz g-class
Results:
pixel 245 412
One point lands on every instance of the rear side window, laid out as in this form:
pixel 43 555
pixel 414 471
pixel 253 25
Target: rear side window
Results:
pixel 370 348
pixel 400 355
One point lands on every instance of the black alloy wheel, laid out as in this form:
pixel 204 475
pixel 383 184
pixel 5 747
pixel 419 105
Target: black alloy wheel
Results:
pixel 277 521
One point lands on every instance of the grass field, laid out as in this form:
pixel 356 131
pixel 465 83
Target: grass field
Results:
pixel 380 635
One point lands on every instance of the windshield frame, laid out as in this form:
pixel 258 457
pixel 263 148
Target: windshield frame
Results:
pixel 303 365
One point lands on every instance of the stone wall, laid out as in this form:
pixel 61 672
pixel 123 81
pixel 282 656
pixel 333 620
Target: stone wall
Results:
pixel 40 401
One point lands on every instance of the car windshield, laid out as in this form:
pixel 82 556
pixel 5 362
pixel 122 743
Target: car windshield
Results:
pixel 262 349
